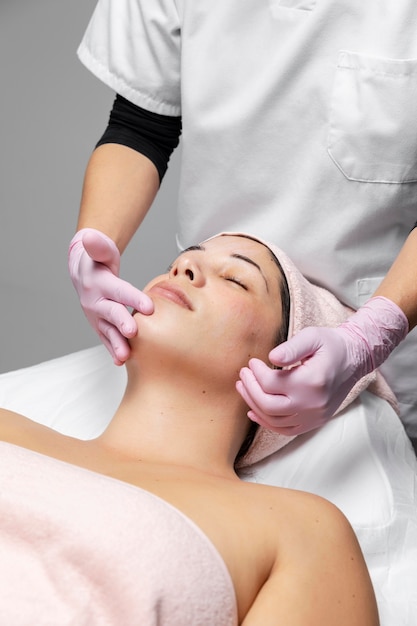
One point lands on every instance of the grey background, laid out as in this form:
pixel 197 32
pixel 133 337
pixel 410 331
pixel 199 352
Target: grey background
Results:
pixel 52 112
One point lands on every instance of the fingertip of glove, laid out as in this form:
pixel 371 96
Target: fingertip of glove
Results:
pixel 253 417
pixel 146 307
pixel 129 330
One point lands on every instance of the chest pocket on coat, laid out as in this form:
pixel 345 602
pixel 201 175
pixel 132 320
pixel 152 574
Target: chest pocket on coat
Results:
pixel 373 122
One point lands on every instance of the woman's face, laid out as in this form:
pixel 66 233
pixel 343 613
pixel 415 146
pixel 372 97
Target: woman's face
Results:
pixel 218 306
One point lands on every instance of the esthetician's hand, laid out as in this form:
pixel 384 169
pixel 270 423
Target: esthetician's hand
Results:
pixel 325 363
pixel 94 263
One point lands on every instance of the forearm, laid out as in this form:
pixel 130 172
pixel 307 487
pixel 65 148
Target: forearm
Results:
pixel 120 185
pixel 400 284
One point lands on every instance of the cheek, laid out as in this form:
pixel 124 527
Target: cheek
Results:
pixel 244 333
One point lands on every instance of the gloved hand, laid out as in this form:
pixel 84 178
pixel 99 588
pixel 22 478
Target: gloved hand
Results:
pixel 94 263
pixel 325 365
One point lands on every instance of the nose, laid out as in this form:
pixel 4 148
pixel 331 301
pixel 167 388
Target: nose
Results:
pixel 188 267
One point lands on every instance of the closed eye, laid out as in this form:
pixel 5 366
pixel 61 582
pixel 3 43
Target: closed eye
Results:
pixel 235 280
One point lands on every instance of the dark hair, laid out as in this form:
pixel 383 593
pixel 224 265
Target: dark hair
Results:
pixel 282 335
pixel 283 330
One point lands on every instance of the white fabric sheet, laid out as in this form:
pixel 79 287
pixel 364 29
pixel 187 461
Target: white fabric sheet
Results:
pixel 362 461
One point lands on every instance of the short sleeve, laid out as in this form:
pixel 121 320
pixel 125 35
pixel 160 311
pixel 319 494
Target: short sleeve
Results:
pixel 133 46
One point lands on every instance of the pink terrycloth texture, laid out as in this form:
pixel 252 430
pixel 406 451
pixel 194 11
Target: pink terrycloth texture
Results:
pixel 82 549
pixel 310 306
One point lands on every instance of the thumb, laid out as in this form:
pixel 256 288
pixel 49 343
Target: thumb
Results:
pixel 296 349
pixel 102 249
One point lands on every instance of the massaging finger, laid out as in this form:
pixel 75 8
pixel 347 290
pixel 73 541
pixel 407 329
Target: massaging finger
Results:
pixel 281 412
pixel 271 380
pixel 287 425
pixel 93 262
pixel 288 431
pixel 279 400
pixel 275 420
pixel 298 348
pixel 261 402
pixel 282 425
pixel 109 347
pixel 117 315
pixel 120 291
pixel 305 375
pixel 115 343
pixel 273 383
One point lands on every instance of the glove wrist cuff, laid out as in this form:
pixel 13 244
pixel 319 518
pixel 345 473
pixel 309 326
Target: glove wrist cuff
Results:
pixel 84 231
pixel 381 325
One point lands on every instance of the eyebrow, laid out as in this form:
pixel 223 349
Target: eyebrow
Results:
pixel 236 255
pixel 251 262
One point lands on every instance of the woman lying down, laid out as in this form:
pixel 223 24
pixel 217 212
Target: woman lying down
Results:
pixel 149 523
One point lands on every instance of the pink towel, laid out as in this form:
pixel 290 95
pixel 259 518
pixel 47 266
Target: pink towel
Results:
pixel 310 306
pixel 82 549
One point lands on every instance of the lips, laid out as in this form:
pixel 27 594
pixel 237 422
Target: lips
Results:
pixel 172 292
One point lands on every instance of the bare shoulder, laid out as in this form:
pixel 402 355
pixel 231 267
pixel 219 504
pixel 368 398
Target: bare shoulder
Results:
pixel 297 506
pixel 308 524
pixel 320 575
pixel 304 512
pixel 311 526
pixel 22 431
pixel 14 425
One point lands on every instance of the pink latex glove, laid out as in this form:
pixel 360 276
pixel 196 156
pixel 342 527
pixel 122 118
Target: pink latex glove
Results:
pixel 94 263
pixel 327 362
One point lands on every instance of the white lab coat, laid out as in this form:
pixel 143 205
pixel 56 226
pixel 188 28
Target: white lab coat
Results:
pixel 299 126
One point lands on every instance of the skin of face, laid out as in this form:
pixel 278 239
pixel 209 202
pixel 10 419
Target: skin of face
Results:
pixel 218 306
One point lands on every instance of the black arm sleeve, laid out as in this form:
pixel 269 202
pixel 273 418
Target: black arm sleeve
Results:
pixel 151 134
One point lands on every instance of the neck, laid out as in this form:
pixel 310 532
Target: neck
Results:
pixel 170 419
